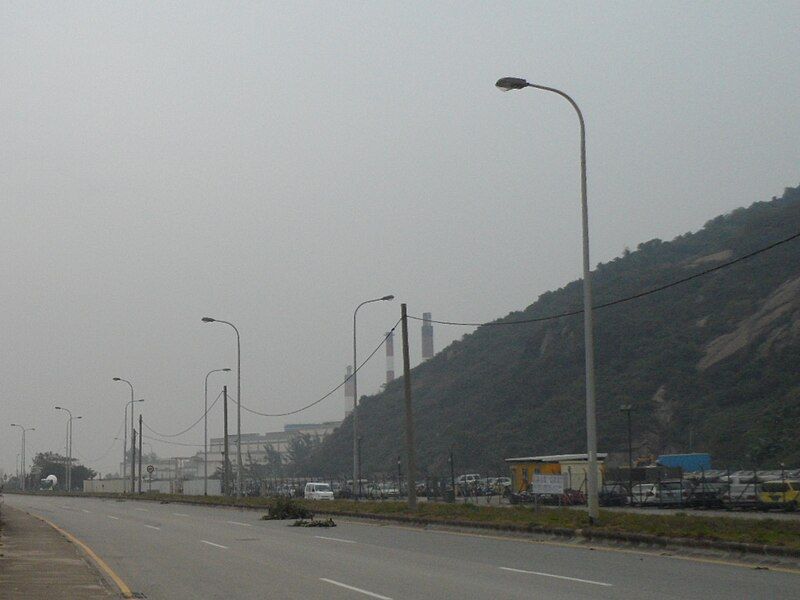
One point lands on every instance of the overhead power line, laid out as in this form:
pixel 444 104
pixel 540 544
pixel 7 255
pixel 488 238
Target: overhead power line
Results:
pixel 654 290
pixel 255 412
pixel 110 448
pixel 331 392
pixel 155 439
pixel 190 427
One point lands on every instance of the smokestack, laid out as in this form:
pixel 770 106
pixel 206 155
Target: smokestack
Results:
pixel 389 356
pixel 427 336
pixel 348 391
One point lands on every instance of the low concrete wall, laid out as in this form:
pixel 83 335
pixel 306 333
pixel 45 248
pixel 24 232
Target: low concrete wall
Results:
pixel 194 487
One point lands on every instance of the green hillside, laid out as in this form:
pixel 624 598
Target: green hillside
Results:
pixel 714 363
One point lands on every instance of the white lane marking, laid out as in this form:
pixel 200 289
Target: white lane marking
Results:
pixel 238 523
pixel 322 537
pixel 557 576
pixel 112 517
pixel 86 511
pixel 215 545
pixel 153 527
pixel 355 589
pixel 141 509
pixel 180 514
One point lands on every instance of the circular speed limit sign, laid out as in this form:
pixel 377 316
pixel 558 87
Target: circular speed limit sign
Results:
pixel 150 469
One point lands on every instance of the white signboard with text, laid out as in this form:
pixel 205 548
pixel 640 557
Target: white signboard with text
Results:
pixel 547 484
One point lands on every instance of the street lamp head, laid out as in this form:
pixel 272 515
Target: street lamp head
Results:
pixel 207 320
pixel 117 379
pixel 389 297
pixel 511 83
pixel 226 370
pixel 140 400
pixel 58 408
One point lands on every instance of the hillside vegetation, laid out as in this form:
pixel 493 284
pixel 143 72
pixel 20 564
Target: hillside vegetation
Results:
pixel 708 365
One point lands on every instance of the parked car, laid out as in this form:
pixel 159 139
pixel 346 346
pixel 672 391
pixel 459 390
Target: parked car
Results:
pixel 318 491
pixel 664 493
pixel 613 495
pixel 469 479
pixel 502 485
pixel 783 494
pixel 706 494
pixel 388 490
pixel 741 492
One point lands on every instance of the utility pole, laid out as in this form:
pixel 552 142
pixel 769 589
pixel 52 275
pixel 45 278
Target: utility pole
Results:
pixel 133 460
pixel 411 469
pixel 140 452
pixel 225 463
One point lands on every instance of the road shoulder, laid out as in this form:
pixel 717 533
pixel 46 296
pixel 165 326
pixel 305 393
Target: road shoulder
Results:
pixel 38 563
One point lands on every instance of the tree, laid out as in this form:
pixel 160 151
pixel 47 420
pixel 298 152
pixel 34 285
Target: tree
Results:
pixel 51 463
pixel 274 461
pixel 300 452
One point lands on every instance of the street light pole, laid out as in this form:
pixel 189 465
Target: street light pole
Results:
pixel 68 469
pixel 627 408
pixel 205 433
pixel 22 450
pixel 515 83
pixel 130 403
pixel 239 465
pixel 125 430
pixel 357 491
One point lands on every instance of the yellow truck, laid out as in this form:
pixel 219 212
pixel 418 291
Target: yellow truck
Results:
pixel 783 494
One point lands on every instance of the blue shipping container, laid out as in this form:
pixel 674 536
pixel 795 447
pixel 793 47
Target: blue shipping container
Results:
pixel 700 461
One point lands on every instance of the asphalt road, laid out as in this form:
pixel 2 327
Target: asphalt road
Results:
pixel 175 551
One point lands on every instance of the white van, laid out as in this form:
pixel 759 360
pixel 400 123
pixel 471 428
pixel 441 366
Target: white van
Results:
pixel 318 491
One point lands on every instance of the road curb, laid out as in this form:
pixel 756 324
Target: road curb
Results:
pixel 98 562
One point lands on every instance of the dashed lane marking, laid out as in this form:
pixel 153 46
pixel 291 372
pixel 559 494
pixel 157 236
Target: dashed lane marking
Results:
pixel 215 545
pixel 333 539
pixel 354 589
pixel 556 576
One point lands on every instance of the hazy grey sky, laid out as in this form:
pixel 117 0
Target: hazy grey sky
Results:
pixel 275 164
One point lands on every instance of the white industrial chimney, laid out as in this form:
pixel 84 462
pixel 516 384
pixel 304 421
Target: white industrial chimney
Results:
pixel 348 391
pixel 427 336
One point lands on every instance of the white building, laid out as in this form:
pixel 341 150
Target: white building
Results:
pixel 253 444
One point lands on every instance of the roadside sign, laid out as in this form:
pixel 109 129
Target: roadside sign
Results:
pixel 150 469
pixel 547 484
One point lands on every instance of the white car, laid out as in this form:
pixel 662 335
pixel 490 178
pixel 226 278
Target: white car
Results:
pixel 318 491
pixel 469 479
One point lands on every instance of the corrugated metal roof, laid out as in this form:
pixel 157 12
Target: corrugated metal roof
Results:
pixel 557 458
